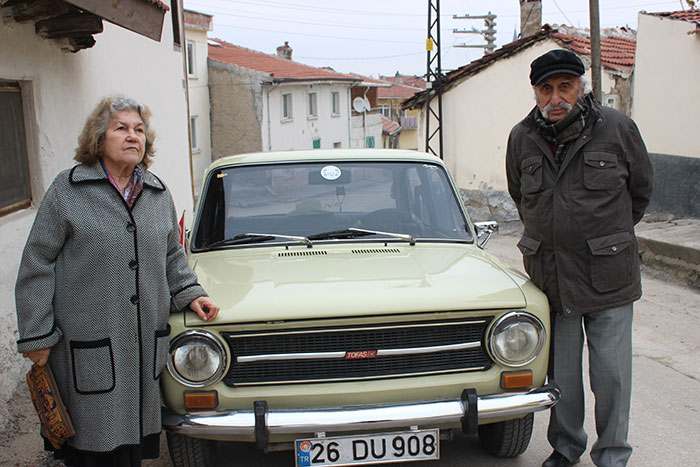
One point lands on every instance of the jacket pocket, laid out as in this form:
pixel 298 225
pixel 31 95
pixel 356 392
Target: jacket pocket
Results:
pixel 532 259
pixel 93 366
pixel 611 261
pixel 531 174
pixel 600 171
pixel 160 353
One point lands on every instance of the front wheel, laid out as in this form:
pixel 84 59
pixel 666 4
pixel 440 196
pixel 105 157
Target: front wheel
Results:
pixel 191 452
pixel 507 439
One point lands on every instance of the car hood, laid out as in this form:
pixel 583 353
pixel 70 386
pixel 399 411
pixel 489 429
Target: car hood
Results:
pixel 346 280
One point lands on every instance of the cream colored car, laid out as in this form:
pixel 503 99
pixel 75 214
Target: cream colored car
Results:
pixel 361 320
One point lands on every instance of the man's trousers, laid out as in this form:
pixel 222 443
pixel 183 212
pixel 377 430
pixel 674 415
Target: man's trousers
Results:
pixel 609 336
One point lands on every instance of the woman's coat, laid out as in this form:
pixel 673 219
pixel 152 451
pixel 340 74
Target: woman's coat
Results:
pixel 96 283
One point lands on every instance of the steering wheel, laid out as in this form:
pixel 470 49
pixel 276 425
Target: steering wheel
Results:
pixel 391 220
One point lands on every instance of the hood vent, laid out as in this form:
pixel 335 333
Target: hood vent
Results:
pixel 374 251
pixel 303 253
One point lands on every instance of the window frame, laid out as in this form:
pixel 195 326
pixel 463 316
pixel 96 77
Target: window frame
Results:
pixel 312 105
pixel 191 58
pixel 335 103
pixel 194 133
pixel 22 174
pixel 287 111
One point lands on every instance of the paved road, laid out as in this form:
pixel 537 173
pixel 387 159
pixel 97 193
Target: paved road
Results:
pixel 665 424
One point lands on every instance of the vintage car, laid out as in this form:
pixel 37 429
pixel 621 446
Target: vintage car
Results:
pixel 361 320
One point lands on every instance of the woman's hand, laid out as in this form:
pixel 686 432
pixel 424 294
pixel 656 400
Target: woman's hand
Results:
pixel 40 357
pixel 205 308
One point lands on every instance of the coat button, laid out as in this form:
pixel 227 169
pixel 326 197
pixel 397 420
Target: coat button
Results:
pixel 134 299
pixel 133 264
pixel 614 248
pixel 130 227
pixel 567 311
pixel 601 163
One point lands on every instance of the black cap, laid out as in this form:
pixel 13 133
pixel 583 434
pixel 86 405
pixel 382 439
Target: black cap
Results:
pixel 553 62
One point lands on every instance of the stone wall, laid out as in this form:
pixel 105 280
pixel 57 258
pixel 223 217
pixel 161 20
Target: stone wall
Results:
pixel 676 185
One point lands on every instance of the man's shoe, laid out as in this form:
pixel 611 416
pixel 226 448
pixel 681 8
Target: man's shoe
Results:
pixel 558 460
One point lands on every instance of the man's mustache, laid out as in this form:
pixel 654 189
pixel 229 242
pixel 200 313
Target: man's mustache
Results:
pixel 549 107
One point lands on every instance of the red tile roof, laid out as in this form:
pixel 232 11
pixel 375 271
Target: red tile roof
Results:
pixel 617 47
pixel 617 53
pixel 159 4
pixel 406 80
pixel 278 68
pixel 397 91
pixel 389 127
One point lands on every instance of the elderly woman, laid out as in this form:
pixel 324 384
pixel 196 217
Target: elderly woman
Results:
pixel 101 271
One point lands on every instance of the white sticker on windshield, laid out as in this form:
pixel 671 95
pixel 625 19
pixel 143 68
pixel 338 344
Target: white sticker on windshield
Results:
pixel 330 172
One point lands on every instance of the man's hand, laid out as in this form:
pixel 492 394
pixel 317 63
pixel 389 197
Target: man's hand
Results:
pixel 40 357
pixel 205 308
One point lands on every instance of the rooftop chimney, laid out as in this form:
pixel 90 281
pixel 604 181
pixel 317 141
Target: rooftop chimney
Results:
pixel 530 17
pixel 284 51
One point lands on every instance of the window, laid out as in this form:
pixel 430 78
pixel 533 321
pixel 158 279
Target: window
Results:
pixel 175 17
pixel 337 145
pixel 15 191
pixel 317 143
pixel 191 63
pixel 369 142
pixel 385 110
pixel 286 106
pixel 313 108
pixel 335 103
pixel 194 133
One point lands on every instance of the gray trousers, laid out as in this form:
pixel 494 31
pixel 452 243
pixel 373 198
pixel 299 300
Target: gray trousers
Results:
pixel 609 336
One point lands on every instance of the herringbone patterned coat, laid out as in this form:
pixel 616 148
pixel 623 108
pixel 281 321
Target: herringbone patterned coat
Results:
pixel 96 283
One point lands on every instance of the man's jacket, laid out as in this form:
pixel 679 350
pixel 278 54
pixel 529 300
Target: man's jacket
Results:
pixel 579 245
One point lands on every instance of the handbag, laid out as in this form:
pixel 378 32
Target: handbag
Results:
pixel 49 406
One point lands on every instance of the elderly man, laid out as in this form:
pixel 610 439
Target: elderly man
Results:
pixel 581 179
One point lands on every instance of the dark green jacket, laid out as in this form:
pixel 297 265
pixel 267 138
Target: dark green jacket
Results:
pixel 579 245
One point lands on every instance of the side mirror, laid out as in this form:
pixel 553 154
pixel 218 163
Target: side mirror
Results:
pixel 485 230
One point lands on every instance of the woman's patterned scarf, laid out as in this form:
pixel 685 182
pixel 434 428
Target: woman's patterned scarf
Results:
pixel 566 130
pixel 133 186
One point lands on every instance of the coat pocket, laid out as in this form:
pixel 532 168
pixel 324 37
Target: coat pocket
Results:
pixel 93 366
pixel 600 171
pixel 160 353
pixel 611 261
pixel 531 174
pixel 532 259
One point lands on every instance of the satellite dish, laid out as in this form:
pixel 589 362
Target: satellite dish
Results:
pixel 359 104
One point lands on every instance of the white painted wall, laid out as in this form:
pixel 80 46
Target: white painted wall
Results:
pixel 665 104
pixel 478 115
pixel 364 125
pixel 199 105
pixel 300 131
pixel 59 90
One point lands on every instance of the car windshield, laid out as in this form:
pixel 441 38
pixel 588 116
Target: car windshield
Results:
pixel 273 203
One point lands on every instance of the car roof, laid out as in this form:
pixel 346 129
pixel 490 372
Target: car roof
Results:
pixel 336 155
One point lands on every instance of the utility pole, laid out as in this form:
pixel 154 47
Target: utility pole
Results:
pixel 489 33
pixel 595 50
pixel 434 78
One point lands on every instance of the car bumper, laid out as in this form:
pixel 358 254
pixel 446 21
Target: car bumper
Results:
pixel 261 421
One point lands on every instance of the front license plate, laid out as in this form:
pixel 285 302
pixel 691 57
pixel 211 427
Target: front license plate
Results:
pixel 400 446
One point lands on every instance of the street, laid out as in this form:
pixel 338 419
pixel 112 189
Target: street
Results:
pixel 665 422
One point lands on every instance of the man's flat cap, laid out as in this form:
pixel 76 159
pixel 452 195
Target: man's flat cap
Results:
pixel 553 62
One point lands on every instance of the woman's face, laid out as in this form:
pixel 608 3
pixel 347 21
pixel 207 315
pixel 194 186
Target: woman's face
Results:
pixel 125 139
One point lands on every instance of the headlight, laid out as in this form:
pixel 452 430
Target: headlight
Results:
pixel 516 339
pixel 196 359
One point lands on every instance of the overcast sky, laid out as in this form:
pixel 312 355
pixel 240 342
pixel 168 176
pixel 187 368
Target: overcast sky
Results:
pixel 381 37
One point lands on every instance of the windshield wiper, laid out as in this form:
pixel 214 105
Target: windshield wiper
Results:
pixel 245 238
pixel 345 233
pixel 406 237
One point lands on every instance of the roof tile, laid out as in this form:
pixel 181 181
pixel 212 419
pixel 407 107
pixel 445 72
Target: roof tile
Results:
pixel 278 68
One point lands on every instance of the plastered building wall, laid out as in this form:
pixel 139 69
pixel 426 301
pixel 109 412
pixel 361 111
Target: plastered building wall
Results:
pixel 58 91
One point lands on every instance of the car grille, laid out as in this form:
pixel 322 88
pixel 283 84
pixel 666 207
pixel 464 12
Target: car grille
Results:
pixel 357 353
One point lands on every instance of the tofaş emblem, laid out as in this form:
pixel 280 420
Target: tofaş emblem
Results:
pixel 360 354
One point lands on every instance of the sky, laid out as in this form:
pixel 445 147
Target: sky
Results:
pixel 381 37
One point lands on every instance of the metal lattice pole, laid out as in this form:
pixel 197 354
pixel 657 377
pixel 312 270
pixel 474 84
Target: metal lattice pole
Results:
pixel 434 78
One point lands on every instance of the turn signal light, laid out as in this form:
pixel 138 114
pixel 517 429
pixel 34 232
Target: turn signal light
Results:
pixel 199 400
pixel 516 379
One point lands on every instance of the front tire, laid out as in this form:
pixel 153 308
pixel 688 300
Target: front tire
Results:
pixel 507 439
pixel 191 452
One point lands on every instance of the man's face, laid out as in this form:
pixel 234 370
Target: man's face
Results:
pixel 557 95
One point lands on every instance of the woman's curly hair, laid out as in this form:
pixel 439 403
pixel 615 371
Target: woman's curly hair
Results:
pixel 89 149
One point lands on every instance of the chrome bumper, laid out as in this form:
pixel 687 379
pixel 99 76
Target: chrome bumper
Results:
pixel 364 417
